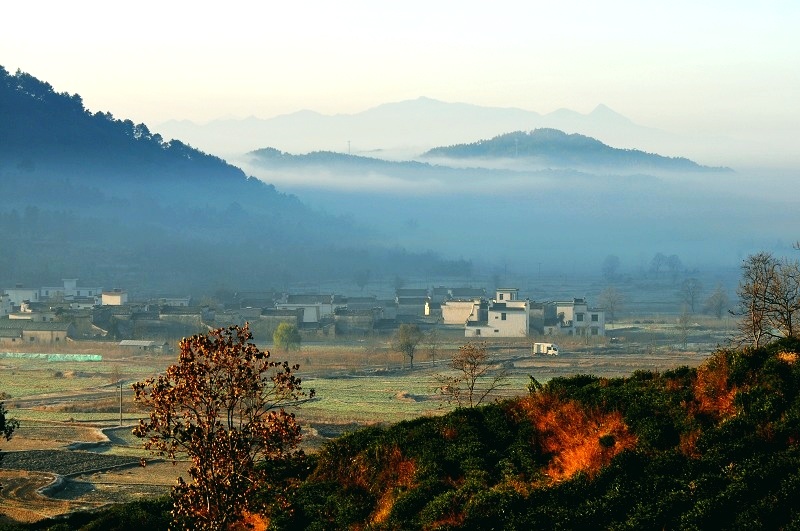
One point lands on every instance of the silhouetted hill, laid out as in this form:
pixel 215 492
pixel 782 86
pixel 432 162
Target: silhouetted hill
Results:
pixel 87 195
pixel 551 147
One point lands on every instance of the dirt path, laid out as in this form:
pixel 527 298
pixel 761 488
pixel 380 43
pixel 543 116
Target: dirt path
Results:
pixel 21 500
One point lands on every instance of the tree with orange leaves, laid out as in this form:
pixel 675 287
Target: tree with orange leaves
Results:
pixel 223 407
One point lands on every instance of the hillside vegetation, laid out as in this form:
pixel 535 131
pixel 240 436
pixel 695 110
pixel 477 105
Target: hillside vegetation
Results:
pixel 713 447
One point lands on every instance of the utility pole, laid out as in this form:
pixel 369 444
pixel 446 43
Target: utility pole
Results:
pixel 120 402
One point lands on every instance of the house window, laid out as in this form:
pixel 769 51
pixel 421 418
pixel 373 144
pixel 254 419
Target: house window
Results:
pixel 579 317
pixel 496 331
pixel 503 316
pixel 595 317
pixel 33 339
pixel 501 296
pixel 477 331
pixel 595 331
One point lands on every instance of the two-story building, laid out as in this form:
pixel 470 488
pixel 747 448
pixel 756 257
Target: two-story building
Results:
pixel 507 316
pixel 68 291
pixel 574 318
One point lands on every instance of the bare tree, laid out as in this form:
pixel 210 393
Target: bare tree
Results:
pixel 659 261
pixel 674 265
pixel 611 300
pixel 406 340
pixel 434 340
pixel 783 298
pixel 476 376
pixel 717 303
pixel 758 272
pixel 689 293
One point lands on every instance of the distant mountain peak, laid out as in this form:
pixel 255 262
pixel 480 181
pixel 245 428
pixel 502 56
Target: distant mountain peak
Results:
pixel 607 113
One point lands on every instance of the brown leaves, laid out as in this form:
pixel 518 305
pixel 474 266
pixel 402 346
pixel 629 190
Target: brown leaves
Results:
pixel 713 395
pixel 221 406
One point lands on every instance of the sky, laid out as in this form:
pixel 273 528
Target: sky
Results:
pixel 691 67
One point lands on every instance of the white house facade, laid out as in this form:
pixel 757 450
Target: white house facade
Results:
pixel 507 316
pixel 574 318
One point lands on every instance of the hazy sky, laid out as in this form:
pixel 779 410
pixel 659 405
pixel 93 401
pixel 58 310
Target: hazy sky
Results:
pixel 684 66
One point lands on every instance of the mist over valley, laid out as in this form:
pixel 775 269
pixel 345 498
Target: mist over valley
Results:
pixel 130 206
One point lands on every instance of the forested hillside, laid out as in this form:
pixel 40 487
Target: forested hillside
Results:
pixel 88 195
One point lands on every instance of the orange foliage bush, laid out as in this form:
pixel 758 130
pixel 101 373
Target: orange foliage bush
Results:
pixel 712 393
pixel 576 439
pixel 398 471
pixel 250 522
pixel 688 444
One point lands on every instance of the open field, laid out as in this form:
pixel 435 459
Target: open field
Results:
pixel 71 409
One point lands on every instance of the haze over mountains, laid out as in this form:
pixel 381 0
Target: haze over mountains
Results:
pixel 402 130
pixel 405 129
pixel 91 195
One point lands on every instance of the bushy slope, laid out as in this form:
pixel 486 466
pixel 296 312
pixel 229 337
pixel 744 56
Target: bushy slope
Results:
pixel 715 447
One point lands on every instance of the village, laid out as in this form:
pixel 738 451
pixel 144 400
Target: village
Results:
pixel 50 315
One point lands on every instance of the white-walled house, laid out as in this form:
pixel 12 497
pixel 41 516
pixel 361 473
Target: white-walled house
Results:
pixel 460 312
pixel 18 294
pixel 115 297
pixel 574 318
pixel 507 316
pixel 68 290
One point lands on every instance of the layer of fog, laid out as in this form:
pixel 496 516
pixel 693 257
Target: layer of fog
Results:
pixel 560 219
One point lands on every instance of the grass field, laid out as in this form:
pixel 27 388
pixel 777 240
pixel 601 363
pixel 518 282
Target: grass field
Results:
pixel 75 406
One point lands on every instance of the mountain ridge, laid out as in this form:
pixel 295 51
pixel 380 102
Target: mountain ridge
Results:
pixel 404 129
